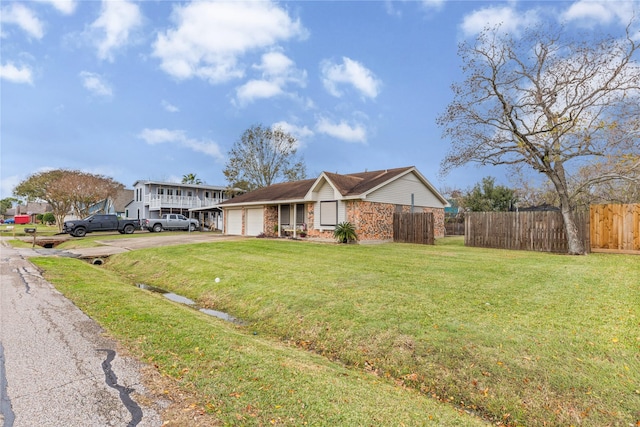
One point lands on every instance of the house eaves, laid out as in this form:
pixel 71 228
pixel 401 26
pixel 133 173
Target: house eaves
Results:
pixel 181 185
pixel 323 177
pixel 286 192
pixel 360 185
pixel 262 203
pixel 411 169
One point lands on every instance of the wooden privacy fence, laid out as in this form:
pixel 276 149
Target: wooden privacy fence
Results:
pixel 615 228
pixel 413 228
pixel 531 231
pixel 454 228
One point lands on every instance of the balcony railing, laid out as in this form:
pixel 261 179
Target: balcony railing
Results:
pixel 184 202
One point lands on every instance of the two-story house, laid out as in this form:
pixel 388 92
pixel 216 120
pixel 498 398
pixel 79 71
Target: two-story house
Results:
pixel 155 198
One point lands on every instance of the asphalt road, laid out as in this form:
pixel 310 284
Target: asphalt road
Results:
pixel 56 366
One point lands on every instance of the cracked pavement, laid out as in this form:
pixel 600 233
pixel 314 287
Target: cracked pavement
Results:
pixel 57 368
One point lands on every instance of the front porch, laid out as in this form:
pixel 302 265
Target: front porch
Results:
pixel 157 203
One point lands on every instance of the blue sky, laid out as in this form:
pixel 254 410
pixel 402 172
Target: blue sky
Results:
pixel 160 89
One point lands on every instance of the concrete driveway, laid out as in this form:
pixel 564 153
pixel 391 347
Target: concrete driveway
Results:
pixel 115 246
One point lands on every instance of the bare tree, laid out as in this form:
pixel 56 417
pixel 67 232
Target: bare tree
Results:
pixel 551 103
pixel 263 156
pixel 67 190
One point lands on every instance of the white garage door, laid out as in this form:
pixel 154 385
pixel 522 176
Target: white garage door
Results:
pixel 234 222
pixel 255 224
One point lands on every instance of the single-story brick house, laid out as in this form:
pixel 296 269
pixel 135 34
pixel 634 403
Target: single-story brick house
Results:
pixel 366 199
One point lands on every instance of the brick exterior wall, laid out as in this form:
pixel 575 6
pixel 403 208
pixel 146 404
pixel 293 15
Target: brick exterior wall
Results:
pixel 271 221
pixel 372 221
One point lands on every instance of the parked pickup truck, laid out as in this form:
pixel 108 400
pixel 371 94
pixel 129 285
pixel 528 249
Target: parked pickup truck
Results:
pixel 80 227
pixel 171 222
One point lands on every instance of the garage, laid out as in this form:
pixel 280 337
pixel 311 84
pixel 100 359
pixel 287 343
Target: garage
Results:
pixel 255 221
pixel 234 221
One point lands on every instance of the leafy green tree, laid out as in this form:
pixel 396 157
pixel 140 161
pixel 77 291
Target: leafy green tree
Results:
pixel 67 191
pixel 7 203
pixel 191 178
pixel 48 218
pixel 488 197
pixel 549 103
pixel 263 156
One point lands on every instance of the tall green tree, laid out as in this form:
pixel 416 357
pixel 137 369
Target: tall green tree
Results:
pixel 488 197
pixel 67 191
pixel 263 156
pixel 548 102
pixel 191 178
pixel 7 203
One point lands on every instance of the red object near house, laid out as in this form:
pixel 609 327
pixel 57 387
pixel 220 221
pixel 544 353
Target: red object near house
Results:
pixel 22 219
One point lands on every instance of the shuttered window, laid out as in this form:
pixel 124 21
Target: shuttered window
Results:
pixel 329 213
pixel 285 216
pixel 300 219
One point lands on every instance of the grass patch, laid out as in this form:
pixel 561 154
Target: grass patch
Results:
pixel 524 338
pixel 238 377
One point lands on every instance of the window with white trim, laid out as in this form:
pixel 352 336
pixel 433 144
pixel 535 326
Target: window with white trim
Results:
pixel 329 213
pixel 285 216
pixel 300 214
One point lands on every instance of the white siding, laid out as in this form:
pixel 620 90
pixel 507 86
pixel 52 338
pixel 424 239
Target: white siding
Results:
pixel 327 193
pixel 234 221
pixel 255 221
pixel 399 192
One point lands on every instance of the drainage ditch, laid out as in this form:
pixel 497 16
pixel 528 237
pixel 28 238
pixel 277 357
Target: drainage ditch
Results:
pixel 190 303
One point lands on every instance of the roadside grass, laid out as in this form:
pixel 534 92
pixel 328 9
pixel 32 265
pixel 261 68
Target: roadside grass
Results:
pixel 240 378
pixel 523 338
pixel 95 239
pixel 9 230
pixel 91 240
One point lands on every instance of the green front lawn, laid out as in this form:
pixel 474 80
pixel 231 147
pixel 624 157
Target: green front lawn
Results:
pixel 521 338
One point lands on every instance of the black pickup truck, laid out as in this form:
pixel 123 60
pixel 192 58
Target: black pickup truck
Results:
pixel 80 227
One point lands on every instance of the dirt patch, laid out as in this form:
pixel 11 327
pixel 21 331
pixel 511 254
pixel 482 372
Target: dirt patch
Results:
pixel 182 407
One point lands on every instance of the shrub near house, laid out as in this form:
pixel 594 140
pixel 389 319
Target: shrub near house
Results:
pixel 367 200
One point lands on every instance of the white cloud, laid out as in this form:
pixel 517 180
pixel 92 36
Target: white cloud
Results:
pixel 350 72
pixel 96 84
pixel 18 14
pixel 277 72
pixel 116 22
pixel 592 12
pixel 179 137
pixel 275 64
pixel 16 75
pixel 8 183
pixel 299 132
pixel 342 130
pixel 66 7
pixel 433 4
pixel 209 37
pixel 254 89
pixel 169 107
pixel 509 20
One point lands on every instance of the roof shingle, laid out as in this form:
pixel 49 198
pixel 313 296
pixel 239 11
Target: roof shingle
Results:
pixel 352 184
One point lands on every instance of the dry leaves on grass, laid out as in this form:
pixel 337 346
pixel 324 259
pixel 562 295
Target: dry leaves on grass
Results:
pixel 179 407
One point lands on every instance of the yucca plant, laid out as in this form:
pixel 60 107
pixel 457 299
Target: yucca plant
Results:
pixel 345 232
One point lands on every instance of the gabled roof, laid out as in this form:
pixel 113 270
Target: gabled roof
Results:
pixel 353 185
pixel 122 199
pixel 358 184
